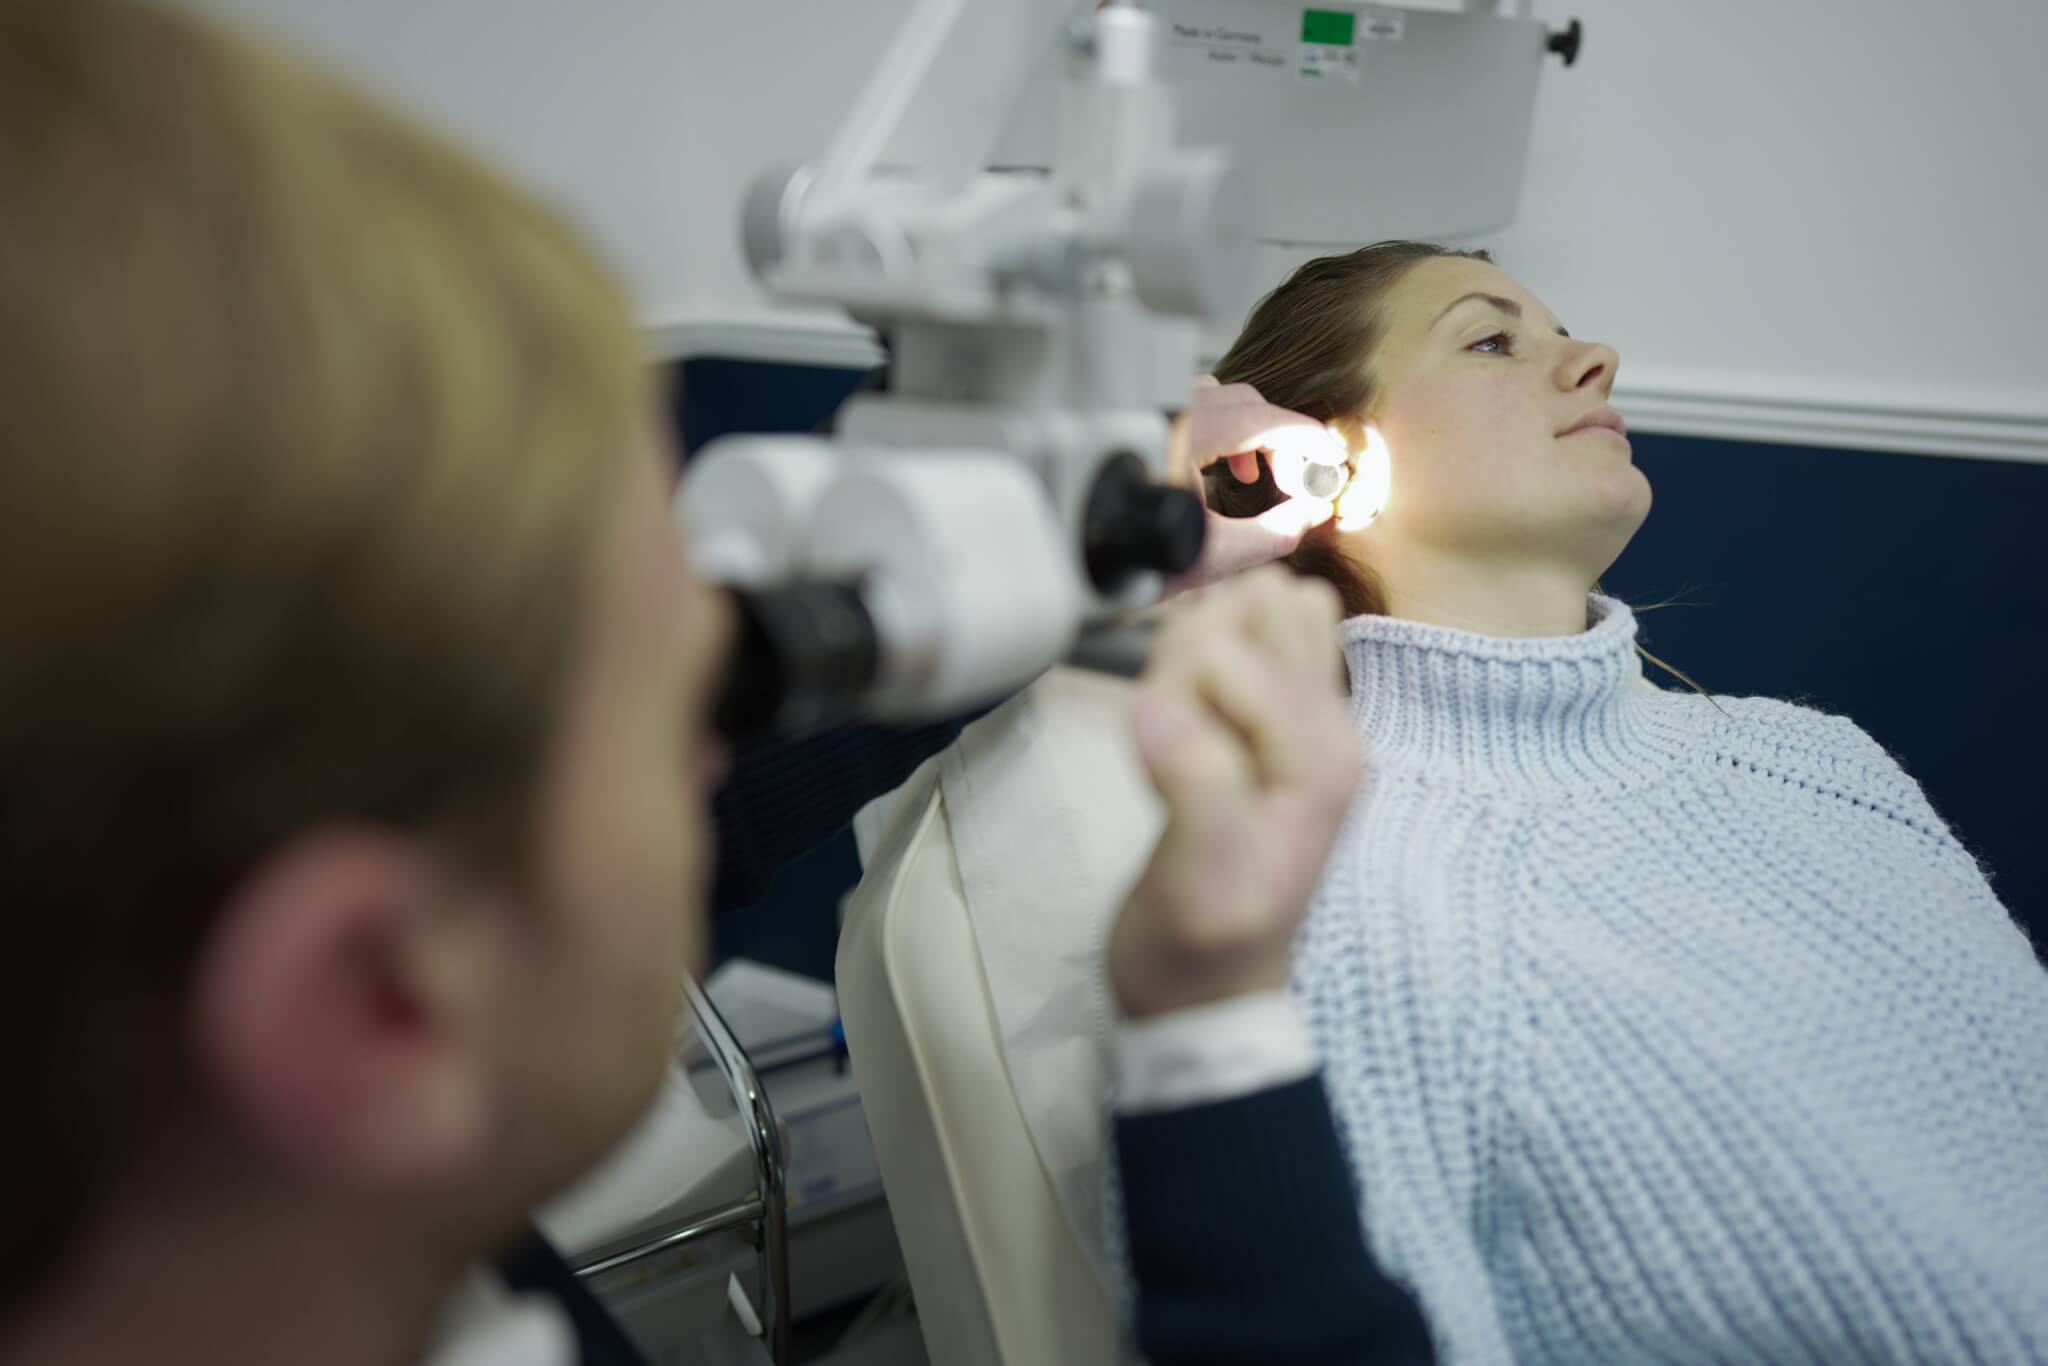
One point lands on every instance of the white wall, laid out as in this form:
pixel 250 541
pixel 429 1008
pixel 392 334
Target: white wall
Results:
pixel 644 119
pixel 1798 219
pixel 1803 211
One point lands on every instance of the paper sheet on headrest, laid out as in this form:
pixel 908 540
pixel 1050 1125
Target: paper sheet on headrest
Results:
pixel 1053 819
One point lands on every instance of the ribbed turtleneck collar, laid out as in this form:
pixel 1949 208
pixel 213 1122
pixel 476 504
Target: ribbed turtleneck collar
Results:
pixel 1552 714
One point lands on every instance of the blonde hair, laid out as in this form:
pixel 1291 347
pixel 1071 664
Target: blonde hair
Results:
pixel 310 425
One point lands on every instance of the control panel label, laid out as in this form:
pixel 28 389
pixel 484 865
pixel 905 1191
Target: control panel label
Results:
pixel 1267 41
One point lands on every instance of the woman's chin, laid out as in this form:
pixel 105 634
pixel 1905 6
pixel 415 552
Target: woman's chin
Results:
pixel 1639 494
pixel 1604 518
pixel 1619 496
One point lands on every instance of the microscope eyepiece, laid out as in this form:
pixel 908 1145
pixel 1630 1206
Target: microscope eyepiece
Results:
pixel 805 653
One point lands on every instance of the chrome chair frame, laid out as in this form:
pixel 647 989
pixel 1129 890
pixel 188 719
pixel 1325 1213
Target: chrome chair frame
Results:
pixel 766 1208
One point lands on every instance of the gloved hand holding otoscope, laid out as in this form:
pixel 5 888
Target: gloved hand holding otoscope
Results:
pixel 1231 424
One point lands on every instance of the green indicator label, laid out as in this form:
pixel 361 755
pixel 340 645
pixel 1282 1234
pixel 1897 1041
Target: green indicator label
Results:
pixel 1332 26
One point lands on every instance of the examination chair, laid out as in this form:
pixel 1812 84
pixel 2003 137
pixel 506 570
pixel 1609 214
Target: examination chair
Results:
pixel 999 1274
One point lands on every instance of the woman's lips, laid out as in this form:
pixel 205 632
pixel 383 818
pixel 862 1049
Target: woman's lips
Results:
pixel 1599 420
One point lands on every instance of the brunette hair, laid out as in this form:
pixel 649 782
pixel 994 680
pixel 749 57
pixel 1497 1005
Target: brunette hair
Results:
pixel 1308 347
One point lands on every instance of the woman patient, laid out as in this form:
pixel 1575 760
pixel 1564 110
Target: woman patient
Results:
pixel 1659 1026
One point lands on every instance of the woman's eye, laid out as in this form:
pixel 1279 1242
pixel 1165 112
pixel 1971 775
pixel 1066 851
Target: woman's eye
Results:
pixel 1499 344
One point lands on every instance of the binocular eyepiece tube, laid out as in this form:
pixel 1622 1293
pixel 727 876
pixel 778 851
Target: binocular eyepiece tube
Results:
pixel 810 652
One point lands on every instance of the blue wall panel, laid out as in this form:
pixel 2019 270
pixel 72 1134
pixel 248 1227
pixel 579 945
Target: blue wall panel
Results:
pixel 1907 592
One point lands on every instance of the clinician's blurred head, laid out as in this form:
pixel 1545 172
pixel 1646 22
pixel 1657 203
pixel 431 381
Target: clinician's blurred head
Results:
pixel 1494 422
pixel 351 681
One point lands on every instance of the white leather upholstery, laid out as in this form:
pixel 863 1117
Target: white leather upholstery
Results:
pixel 999 1276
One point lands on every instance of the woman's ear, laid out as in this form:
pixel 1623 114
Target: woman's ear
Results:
pixel 1372 475
pixel 1352 429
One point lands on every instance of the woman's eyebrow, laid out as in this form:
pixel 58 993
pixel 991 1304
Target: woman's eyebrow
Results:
pixel 1505 305
pixel 1501 302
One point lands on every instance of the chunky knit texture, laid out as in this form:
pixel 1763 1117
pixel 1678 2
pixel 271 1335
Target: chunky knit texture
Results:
pixel 1668 1029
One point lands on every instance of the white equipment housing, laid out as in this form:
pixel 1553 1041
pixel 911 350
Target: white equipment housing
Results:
pixel 1004 494
pixel 1349 123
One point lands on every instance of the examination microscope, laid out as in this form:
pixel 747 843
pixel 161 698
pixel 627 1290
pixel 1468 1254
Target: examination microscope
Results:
pixel 1000 509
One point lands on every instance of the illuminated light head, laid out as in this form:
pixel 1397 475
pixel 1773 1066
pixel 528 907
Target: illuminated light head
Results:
pixel 1324 481
pixel 1308 462
pixel 1365 496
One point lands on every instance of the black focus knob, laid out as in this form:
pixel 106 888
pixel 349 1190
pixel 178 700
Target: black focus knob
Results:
pixel 805 653
pixel 1566 44
pixel 1131 525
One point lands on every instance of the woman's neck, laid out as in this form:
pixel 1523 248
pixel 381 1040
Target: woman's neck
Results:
pixel 1541 716
pixel 1504 596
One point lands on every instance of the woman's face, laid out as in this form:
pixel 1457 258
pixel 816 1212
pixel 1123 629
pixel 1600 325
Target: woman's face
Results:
pixel 1499 437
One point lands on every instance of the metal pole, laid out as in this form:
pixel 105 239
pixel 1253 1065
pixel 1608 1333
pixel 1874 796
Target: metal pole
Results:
pixel 765 1135
pixel 730 1216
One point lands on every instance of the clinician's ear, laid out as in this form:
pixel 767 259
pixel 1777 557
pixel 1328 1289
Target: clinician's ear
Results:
pixel 338 1009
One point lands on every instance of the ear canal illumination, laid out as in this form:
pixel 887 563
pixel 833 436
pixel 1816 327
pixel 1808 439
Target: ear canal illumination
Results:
pixel 1365 496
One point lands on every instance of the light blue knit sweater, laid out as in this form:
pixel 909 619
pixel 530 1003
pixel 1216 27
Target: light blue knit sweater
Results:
pixel 1662 1032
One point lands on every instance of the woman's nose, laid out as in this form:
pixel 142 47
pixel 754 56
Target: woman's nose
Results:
pixel 1588 365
